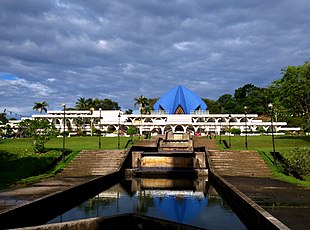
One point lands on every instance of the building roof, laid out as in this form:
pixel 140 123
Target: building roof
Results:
pixel 179 98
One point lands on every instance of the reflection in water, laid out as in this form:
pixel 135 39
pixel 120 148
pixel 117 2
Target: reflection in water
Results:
pixel 182 201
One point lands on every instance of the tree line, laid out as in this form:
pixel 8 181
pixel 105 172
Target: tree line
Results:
pixel 289 95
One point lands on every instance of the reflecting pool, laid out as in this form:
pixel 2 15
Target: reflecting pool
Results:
pixel 190 202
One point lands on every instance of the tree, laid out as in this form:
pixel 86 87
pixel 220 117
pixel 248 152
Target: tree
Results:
pixel 40 130
pixel 152 102
pixel 107 104
pixel 82 104
pixel 253 97
pixel 131 131
pixel 227 103
pixel 241 97
pixel 40 106
pixel 7 130
pixel 128 111
pixel 257 101
pixel 142 102
pixel 213 106
pixel 87 104
pixel 291 92
pixel 3 119
pixel 147 110
pixel 243 92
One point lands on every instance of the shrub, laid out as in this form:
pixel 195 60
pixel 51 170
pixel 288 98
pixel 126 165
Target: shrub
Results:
pixel 40 130
pixel 299 159
pixel 235 131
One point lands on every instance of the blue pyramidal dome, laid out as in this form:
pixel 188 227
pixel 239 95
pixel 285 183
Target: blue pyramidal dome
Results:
pixel 180 100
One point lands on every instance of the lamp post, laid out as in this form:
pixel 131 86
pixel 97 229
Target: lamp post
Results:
pixel 63 133
pixel 118 138
pixel 220 130
pixel 100 128
pixel 229 130
pixel 91 121
pixel 270 105
pixel 246 127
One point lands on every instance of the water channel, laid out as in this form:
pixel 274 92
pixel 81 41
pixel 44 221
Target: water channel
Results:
pixel 192 202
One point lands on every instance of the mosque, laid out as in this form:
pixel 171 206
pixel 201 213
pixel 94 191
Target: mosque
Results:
pixel 178 110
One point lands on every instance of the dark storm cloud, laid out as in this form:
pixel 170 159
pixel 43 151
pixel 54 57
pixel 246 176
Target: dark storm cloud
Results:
pixel 62 50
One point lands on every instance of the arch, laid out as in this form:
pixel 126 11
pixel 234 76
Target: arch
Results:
pixel 148 120
pixel 190 129
pixel 167 129
pixel 179 128
pixel 111 128
pixel 211 119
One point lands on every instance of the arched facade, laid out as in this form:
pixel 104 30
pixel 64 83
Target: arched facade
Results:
pixel 179 110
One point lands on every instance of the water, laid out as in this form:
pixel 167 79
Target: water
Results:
pixel 182 201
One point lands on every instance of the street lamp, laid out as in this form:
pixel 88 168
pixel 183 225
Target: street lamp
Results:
pixel 63 133
pixel 100 128
pixel 91 121
pixel 220 130
pixel 229 130
pixel 118 140
pixel 246 127
pixel 270 105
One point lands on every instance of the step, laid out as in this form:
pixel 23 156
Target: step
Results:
pixel 98 162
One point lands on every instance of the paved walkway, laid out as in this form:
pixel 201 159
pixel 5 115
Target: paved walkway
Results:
pixel 19 195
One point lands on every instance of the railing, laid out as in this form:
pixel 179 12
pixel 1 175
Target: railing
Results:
pixel 159 112
pixel 199 112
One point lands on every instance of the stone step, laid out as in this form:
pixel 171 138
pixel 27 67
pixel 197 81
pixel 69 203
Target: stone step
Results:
pixel 98 157
pixel 94 163
pixel 241 171
pixel 254 160
pixel 238 163
pixel 223 166
pixel 71 170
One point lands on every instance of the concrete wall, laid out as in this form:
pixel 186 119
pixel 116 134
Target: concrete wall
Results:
pixel 172 160
pixel 42 210
pixel 125 221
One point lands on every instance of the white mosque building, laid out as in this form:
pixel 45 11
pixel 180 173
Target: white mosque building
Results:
pixel 179 110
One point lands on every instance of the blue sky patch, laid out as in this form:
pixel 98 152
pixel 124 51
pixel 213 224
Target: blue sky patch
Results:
pixel 7 77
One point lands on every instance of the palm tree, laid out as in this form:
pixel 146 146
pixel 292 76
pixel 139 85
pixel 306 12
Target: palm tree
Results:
pixel 82 104
pixel 40 106
pixel 147 110
pixel 142 101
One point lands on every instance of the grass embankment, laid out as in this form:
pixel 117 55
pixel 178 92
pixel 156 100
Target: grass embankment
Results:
pixel 19 164
pixel 263 144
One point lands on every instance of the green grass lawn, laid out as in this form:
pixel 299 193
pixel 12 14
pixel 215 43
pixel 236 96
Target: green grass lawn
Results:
pixel 18 162
pixel 79 143
pixel 264 142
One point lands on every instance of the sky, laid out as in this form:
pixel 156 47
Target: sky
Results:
pixel 59 51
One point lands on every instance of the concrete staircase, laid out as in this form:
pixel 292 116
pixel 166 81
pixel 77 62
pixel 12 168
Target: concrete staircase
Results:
pixel 205 142
pixel 246 163
pixel 94 163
